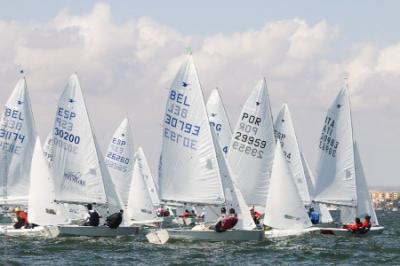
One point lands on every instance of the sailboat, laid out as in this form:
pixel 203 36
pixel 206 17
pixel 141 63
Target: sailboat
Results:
pixel 79 172
pixel 119 159
pixel 219 119
pixel 42 209
pixel 192 163
pixel 17 140
pixel 341 180
pixel 285 213
pixel 252 147
pixel 285 132
pixel 143 199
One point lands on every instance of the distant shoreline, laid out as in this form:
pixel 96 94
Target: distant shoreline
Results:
pixel 385 188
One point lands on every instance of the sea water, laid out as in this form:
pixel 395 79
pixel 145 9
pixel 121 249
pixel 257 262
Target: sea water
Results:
pixel 308 250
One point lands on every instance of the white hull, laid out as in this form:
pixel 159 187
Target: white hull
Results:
pixel 99 231
pixel 39 231
pixel 149 223
pixel 377 230
pixel 206 235
pixel 281 233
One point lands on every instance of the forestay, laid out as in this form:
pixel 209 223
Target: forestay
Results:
pixel 17 140
pixel 78 167
pixel 251 150
pixel 284 131
pixel 189 170
pixel 41 206
pixel 219 120
pixel 119 159
pixel 284 206
pixel 140 204
pixel 336 183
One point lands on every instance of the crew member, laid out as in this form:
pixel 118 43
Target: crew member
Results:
pixel 228 222
pixel 114 220
pixel 354 227
pixel 314 216
pixel 92 217
pixel 22 218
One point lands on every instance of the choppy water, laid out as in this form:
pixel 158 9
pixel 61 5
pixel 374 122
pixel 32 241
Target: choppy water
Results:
pixel 317 250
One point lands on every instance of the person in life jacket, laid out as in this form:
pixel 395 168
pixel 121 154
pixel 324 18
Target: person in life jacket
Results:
pixel 114 220
pixel 366 225
pixel 314 216
pixel 228 222
pixel 22 218
pixel 186 214
pixel 255 215
pixel 92 217
pixel 357 226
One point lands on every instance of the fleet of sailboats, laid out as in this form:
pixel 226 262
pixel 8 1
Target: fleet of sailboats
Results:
pixel 203 164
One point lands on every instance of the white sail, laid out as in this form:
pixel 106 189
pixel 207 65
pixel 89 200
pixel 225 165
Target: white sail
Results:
pixel 284 131
pixel 310 179
pixel 336 183
pixel 42 209
pixel 189 170
pixel 140 205
pixel 325 215
pixel 119 159
pixel 48 149
pixel 233 196
pixel 148 177
pixel 17 140
pixel 284 206
pixel 364 203
pixel 77 167
pixel 251 151
pixel 219 120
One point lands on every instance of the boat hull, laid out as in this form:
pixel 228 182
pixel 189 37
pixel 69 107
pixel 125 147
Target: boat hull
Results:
pixel 211 235
pixel 279 233
pixel 39 231
pixel 376 230
pixel 98 231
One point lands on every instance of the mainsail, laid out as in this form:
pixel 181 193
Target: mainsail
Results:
pixel 219 120
pixel 78 167
pixel 189 169
pixel 119 159
pixel 284 206
pixel 251 150
pixel 284 131
pixel 341 179
pixel 140 202
pixel 17 140
pixel 41 206
pixel 336 183
pixel 148 177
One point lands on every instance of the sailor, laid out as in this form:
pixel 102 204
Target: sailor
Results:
pixel 354 227
pixel 22 218
pixel 367 223
pixel 228 222
pixel 92 217
pixel 314 216
pixel 255 215
pixel 186 214
pixel 114 220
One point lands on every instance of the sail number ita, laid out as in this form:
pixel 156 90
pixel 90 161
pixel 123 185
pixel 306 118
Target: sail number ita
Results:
pixel 177 128
pixel 327 143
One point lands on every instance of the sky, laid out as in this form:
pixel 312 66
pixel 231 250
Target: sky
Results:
pixel 126 54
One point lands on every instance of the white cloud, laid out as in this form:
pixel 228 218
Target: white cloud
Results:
pixel 126 67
